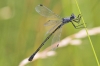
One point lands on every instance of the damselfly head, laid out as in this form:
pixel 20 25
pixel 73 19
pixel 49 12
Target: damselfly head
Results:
pixel 72 16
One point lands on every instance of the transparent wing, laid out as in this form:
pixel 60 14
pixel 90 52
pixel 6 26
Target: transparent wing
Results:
pixel 44 11
pixel 53 28
pixel 52 22
pixel 56 38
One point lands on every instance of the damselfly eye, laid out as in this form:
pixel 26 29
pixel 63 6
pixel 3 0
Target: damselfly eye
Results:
pixel 72 16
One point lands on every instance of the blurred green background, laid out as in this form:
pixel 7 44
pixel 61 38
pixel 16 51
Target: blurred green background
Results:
pixel 22 31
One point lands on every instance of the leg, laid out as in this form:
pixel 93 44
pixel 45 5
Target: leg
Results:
pixel 77 20
pixel 78 26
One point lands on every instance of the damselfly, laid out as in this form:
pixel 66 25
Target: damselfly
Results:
pixel 59 22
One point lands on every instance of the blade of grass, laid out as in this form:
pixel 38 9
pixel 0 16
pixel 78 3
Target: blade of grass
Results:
pixel 88 35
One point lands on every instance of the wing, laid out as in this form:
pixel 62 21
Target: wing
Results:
pixel 44 11
pixel 53 28
pixel 56 38
pixel 52 22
